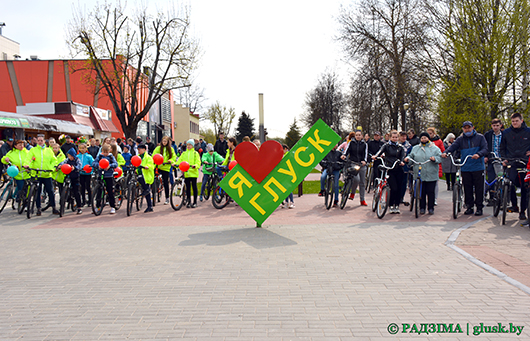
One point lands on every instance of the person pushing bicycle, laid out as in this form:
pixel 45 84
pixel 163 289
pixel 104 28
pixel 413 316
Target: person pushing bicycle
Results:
pixel 471 143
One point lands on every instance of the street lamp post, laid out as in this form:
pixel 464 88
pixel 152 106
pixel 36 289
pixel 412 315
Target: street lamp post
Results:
pixel 406 107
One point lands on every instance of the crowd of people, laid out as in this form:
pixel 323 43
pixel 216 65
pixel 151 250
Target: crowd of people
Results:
pixel 407 150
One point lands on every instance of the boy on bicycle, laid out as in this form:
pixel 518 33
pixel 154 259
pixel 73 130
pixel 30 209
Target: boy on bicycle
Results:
pixel 76 165
pixel 209 160
pixel 108 175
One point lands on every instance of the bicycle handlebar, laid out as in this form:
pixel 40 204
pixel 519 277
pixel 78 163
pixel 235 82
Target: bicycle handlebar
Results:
pixel 388 168
pixel 420 163
pixel 459 164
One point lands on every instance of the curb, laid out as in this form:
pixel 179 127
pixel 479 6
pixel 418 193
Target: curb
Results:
pixel 450 243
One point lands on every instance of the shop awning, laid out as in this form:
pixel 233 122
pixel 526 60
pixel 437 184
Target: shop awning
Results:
pixel 13 120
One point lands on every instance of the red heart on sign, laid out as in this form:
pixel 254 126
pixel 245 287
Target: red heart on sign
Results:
pixel 259 162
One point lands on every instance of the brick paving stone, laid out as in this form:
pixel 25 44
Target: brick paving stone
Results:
pixel 208 274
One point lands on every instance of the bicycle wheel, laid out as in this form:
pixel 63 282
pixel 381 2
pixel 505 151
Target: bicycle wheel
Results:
pixel 98 199
pixel 369 172
pixel 208 188
pixel 3 179
pixel 382 204
pixel 328 196
pixel 131 198
pixel 118 195
pixel 5 196
pixel 154 190
pixel 346 189
pixel 178 194
pixel 219 198
pixel 22 198
pixel 139 197
pixel 412 197
pixel 456 200
pixel 497 199
pixel 417 195
pixel 505 200
pixel 32 199
pixel 375 199
pixel 63 200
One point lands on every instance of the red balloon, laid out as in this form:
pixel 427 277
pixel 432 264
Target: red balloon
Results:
pixel 136 161
pixel 200 150
pixel 158 159
pixel 66 169
pixel 119 171
pixel 232 164
pixel 184 166
pixel 87 169
pixel 103 163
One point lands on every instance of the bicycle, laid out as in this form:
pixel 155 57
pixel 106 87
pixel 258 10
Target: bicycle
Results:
pixel 33 192
pixel 329 189
pixel 350 170
pixel 369 177
pixel 415 194
pixel 506 185
pixel 495 187
pixel 157 187
pixel 208 188
pixel 382 190
pixel 178 191
pixel 7 193
pixel 458 189
pixel 66 198
pixel 134 190
pixel 99 193
pixel 219 197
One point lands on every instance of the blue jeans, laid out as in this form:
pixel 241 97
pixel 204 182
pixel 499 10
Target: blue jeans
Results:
pixel 20 185
pixel 48 187
pixel 220 170
pixel 205 178
pixel 323 178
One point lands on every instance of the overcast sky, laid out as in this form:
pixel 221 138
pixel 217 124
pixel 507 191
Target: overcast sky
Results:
pixel 275 47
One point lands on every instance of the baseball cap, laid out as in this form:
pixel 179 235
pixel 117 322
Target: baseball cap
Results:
pixel 467 123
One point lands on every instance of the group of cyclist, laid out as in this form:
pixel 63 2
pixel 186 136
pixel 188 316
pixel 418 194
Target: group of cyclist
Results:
pixel 49 164
pixel 405 152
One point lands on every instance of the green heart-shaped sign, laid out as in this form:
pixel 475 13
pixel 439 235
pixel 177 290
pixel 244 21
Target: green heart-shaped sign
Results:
pixel 259 200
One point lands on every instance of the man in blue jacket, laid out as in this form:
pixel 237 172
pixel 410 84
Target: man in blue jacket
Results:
pixel 515 144
pixel 473 144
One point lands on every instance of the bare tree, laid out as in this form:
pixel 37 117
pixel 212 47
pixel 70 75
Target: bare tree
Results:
pixel 191 97
pixel 327 102
pixel 385 36
pixel 133 59
pixel 220 116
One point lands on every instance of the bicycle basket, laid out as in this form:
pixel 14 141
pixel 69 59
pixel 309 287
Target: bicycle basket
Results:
pixel 352 169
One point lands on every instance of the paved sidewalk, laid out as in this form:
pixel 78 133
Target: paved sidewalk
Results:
pixel 206 274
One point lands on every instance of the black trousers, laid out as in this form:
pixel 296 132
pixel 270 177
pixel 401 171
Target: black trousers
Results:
pixel 450 178
pixel 109 186
pixel 427 194
pixel 518 181
pixel 146 191
pixel 165 182
pixel 473 183
pixel 189 183
pixel 395 181
pixel 84 181
pixel 75 191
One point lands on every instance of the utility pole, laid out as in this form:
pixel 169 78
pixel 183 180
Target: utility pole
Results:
pixel 261 120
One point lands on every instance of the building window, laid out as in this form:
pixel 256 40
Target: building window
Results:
pixel 194 128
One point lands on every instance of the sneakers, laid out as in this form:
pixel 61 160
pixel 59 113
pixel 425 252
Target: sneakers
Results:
pixel 513 209
pixel 396 210
pixel 469 211
pixel 149 209
pixel 79 211
pixel 391 210
pixel 335 203
pixel 193 205
pixel 200 198
pixel 55 212
pixel 363 203
pixel 38 212
pixel 352 195
pixel 112 210
pixel 291 205
pixel 422 211
pixel 167 201
pixel 435 202
pixel 479 212
pixel 283 204
pixel 321 193
pixel 522 216
pixel 431 211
